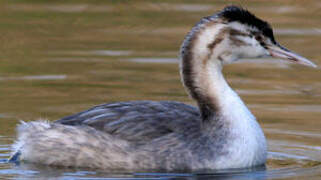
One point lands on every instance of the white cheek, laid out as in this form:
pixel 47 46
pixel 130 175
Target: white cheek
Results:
pixel 252 49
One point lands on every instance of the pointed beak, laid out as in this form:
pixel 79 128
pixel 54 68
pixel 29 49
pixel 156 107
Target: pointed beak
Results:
pixel 279 51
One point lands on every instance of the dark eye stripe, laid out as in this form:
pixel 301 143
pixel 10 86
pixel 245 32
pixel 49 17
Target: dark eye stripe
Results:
pixel 234 32
pixel 237 42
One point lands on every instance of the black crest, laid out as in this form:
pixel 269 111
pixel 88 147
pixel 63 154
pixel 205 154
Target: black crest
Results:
pixel 238 14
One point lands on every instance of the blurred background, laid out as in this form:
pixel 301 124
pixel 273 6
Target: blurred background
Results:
pixel 61 57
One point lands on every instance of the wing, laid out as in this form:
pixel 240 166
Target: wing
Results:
pixel 139 121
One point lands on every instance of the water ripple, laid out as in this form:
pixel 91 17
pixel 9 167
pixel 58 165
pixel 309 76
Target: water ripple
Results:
pixel 39 77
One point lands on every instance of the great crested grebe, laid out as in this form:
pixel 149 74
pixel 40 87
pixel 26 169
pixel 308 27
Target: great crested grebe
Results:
pixel 171 136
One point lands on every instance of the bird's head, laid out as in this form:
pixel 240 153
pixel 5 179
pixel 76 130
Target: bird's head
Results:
pixel 235 33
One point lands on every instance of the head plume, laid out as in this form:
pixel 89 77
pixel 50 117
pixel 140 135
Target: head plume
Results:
pixel 238 14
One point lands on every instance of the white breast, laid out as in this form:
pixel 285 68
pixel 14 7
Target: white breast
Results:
pixel 248 145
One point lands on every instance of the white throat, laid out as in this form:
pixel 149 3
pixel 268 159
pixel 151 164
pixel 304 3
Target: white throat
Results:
pixel 203 78
pixel 246 135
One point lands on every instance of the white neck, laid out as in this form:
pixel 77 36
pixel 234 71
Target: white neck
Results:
pixel 220 106
pixel 201 71
pixel 212 87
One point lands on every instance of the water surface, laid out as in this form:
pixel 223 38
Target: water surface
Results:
pixel 58 58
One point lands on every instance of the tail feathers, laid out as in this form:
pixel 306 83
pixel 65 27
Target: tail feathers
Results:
pixel 63 145
pixel 24 131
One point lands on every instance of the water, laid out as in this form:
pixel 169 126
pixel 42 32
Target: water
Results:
pixel 60 58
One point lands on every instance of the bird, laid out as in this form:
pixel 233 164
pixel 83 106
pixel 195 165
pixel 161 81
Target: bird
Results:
pixel 219 133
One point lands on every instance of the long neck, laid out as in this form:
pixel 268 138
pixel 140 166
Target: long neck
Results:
pixel 201 72
pixel 224 116
pixel 206 85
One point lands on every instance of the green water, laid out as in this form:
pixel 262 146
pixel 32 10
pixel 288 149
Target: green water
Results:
pixel 58 58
